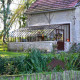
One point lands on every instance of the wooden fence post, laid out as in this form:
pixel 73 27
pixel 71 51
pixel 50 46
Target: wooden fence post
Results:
pixel 56 77
pixel 41 77
pixel 48 77
pixel 28 77
pixel 32 77
pixel 22 78
pixel 9 78
pixel 64 75
pixel 38 77
pixel 44 76
pixel 59 76
pixel 78 75
pixel 53 76
pixel 13 78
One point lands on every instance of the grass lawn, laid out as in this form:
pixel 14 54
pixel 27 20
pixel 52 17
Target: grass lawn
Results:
pixel 12 54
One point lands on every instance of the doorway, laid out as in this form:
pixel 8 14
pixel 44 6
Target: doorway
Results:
pixel 60 39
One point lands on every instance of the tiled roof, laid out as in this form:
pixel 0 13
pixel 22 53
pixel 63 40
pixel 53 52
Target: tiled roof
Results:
pixel 45 5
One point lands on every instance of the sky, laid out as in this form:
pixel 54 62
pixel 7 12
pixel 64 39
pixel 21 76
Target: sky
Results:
pixel 15 4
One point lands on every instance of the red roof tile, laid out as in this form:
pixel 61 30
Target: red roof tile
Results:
pixel 41 5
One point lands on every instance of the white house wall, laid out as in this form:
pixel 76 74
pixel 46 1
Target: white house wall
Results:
pixel 77 25
pixel 58 17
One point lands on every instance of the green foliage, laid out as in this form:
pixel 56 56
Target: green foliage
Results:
pixel 22 20
pixel 54 51
pixel 72 61
pixel 5 17
pixel 2 62
pixel 11 65
pixel 58 68
pixel 75 48
pixel 35 62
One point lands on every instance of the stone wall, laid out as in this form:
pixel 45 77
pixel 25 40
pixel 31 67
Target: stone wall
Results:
pixel 67 46
pixel 42 45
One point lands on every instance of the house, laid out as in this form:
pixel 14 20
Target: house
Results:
pixel 59 17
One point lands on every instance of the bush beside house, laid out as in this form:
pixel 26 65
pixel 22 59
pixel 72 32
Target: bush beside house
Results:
pixel 37 62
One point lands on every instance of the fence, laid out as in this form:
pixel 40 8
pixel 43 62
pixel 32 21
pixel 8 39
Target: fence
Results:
pixel 66 75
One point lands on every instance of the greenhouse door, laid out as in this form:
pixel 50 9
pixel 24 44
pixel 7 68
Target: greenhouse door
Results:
pixel 60 39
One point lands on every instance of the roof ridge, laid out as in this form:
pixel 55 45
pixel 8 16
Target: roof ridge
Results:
pixel 53 4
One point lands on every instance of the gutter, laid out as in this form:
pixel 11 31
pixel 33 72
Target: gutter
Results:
pixel 45 11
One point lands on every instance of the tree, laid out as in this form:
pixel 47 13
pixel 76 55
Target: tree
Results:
pixel 5 12
pixel 23 18
pixel 9 20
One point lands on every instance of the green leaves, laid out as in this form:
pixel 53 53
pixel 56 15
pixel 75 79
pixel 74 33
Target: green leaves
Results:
pixel 36 62
pixel 5 12
pixel 71 60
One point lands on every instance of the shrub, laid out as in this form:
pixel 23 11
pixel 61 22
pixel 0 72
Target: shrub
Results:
pixel 72 60
pixel 58 68
pixel 35 62
pixel 75 48
pixel 54 51
pixel 77 63
pixel 2 62
pixel 11 65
